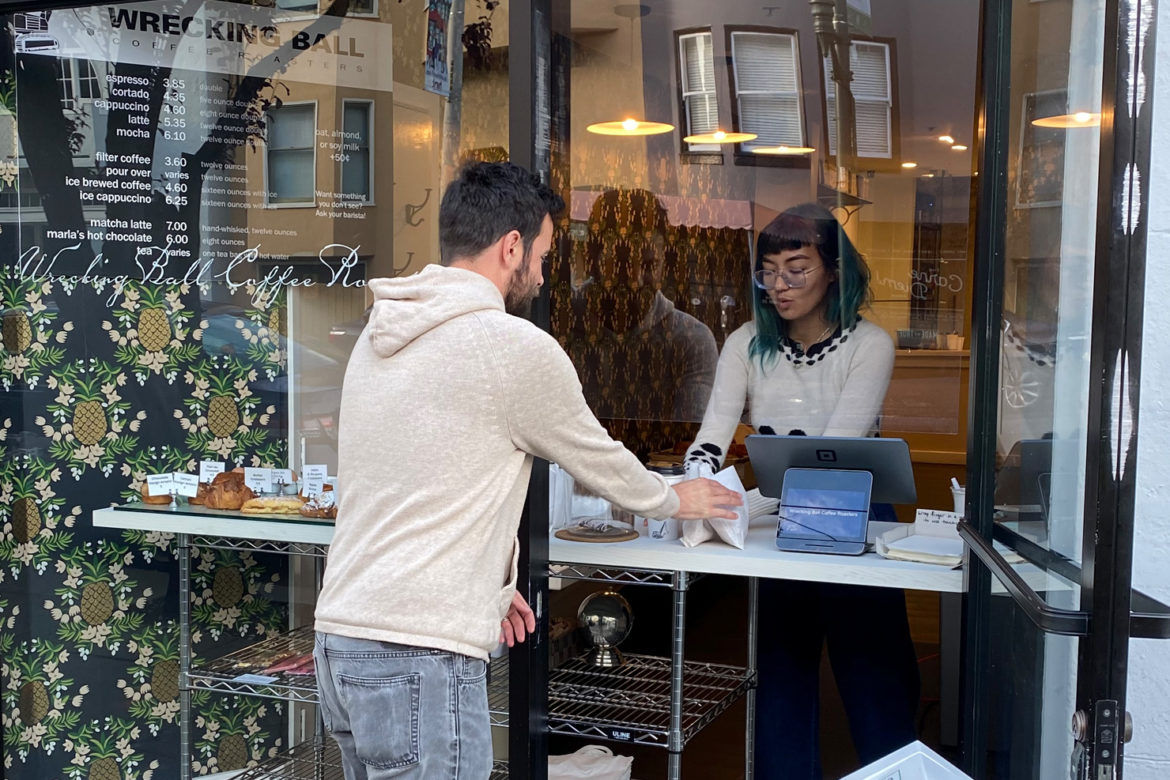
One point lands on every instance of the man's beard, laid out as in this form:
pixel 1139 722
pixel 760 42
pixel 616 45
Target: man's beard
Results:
pixel 522 290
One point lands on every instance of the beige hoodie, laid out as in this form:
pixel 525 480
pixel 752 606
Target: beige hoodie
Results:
pixel 446 400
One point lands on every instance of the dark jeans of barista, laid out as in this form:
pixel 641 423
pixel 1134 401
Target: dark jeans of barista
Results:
pixel 873 662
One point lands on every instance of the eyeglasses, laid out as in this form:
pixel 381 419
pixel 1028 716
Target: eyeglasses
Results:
pixel 765 278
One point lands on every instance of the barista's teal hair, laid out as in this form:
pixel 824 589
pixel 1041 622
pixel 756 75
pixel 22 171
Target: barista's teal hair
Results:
pixel 808 225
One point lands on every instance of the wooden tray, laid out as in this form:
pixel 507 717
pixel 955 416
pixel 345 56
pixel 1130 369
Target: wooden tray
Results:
pixel 580 533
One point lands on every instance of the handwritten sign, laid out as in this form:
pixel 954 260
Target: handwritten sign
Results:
pixel 159 484
pixel 208 469
pixel 314 479
pixel 935 522
pixel 282 476
pixel 186 484
pixel 259 480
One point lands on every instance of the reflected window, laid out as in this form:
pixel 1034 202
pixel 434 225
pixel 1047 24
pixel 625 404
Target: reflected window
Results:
pixel 77 80
pixel 305 6
pixel 766 74
pixel 290 161
pixel 355 7
pixel 697 79
pixel 873 91
pixel 357 126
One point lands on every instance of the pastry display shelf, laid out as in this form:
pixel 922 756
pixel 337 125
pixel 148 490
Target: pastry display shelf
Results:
pixel 199 521
pixel 224 674
pixel 629 703
pixel 319 759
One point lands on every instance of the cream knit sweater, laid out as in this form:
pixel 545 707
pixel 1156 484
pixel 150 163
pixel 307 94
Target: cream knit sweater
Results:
pixel 445 401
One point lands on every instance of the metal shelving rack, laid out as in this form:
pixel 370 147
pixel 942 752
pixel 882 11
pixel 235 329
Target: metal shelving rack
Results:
pixel 630 703
pixel 222 674
pixel 320 759
pixel 649 700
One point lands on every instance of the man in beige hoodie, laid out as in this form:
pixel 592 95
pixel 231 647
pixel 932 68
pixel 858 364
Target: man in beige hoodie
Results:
pixel 446 400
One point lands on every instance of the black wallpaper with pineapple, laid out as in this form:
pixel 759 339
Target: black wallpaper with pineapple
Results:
pixel 99 386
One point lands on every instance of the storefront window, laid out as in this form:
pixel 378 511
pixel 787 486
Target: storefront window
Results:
pixel 192 199
pixel 663 227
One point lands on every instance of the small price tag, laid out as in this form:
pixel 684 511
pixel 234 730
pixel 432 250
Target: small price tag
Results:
pixel 254 679
pixel 186 484
pixel 282 476
pixel 159 484
pixel 259 480
pixel 208 469
pixel 314 481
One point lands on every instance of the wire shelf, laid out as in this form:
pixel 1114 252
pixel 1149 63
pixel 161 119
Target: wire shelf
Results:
pixel 320 759
pixel 575 571
pixel 498 692
pixel 316 759
pixel 222 674
pixel 260 545
pixel 630 703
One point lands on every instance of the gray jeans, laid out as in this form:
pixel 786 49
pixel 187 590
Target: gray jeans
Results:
pixel 404 712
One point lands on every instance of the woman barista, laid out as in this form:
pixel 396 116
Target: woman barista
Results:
pixel 808 364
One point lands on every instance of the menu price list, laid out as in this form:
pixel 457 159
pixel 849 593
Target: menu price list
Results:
pixel 133 178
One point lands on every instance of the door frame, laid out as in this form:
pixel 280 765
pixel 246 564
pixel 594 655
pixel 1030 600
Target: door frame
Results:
pixel 1106 619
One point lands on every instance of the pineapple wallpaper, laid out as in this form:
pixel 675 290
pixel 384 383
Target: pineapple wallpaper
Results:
pixel 101 385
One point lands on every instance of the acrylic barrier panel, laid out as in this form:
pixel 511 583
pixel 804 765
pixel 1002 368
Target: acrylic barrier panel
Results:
pixel 681 134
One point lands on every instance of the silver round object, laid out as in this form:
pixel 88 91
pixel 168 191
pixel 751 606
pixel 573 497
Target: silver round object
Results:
pixel 607 618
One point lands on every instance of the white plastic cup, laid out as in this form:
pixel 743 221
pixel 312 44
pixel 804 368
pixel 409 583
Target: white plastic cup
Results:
pixel 960 498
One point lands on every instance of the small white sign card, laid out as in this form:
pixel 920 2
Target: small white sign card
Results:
pixel 159 484
pixel 208 469
pixel 314 478
pixel 259 480
pixel 281 476
pixel 935 522
pixel 186 484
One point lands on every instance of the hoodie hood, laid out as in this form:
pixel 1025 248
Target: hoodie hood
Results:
pixel 407 307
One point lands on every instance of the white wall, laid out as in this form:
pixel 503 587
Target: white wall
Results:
pixel 1148 755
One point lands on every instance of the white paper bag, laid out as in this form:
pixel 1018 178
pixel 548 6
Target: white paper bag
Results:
pixel 734 532
pixel 592 762
pixel 695 532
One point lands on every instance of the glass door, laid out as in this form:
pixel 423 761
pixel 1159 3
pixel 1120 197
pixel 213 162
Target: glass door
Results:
pixel 1050 492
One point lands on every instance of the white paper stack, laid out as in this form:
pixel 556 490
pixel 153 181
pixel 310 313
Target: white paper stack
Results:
pixel 933 538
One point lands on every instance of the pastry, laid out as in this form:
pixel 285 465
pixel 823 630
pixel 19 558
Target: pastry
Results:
pixel 322 505
pixel 165 498
pixel 200 495
pixel 272 505
pixel 228 491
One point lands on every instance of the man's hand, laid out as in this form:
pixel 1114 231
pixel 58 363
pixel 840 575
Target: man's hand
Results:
pixel 703 498
pixel 519 622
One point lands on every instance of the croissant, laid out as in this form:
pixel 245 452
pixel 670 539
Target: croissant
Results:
pixel 228 491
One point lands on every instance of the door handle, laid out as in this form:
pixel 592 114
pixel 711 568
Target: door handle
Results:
pixel 1148 617
pixel 1046 617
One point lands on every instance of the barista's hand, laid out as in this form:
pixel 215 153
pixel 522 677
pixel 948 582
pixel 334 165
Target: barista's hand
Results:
pixel 703 498
pixel 519 622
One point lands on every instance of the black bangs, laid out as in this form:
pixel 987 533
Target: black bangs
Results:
pixel 808 224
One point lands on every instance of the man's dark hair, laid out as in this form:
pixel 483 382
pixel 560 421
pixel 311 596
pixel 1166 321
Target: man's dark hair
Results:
pixel 486 201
